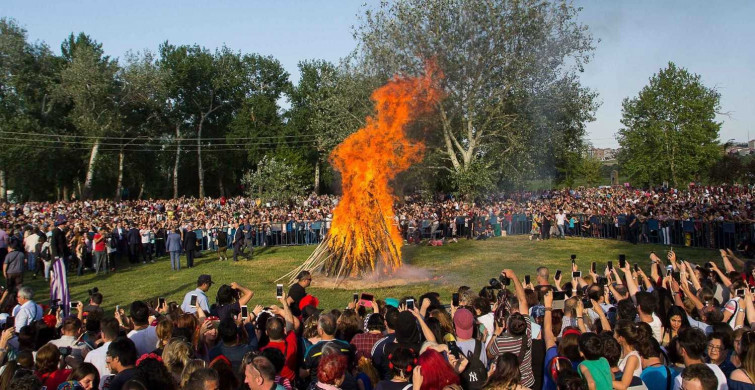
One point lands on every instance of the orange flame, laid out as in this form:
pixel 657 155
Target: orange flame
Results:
pixel 363 231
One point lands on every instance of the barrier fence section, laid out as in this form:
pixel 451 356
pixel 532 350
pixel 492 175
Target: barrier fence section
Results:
pixel 689 233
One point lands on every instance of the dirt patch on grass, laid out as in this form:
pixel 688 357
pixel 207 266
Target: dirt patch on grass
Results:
pixel 406 275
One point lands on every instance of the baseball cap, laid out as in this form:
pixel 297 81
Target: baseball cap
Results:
pixel 464 323
pixel 205 279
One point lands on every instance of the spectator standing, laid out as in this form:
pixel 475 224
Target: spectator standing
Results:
pixel 204 282
pixel 13 269
pixel 100 252
pixel 134 242
pixel 190 245
pixel 173 245
pixel 109 329
pixel 143 335
pixel 30 246
pixel 298 291
pixel 121 360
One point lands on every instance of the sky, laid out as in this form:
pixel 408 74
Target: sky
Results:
pixel 637 39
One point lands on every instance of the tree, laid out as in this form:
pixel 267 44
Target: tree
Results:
pixel 274 179
pixel 88 82
pixel 507 67
pixel 670 132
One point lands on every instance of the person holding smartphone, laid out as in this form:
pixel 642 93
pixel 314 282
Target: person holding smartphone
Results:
pixel 198 295
pixel 280 331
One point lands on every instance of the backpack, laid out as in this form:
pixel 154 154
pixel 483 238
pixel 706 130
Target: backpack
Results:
pixel 475 374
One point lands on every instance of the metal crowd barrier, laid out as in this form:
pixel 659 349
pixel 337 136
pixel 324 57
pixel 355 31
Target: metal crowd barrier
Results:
pixel 690 233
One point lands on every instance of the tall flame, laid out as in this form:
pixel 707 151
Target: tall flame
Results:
pixel 362 233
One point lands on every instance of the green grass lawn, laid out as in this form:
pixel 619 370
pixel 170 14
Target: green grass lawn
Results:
pixel 471 263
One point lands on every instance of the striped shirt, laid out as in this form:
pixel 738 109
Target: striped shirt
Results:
pixel 508 343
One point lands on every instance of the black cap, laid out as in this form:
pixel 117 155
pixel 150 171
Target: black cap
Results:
pixel 204 279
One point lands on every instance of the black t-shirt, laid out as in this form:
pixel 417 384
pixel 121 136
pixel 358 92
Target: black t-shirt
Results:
pixel 296 292
pixel 222 239
pixel 227 311
pixel 391 385
pixel 121 378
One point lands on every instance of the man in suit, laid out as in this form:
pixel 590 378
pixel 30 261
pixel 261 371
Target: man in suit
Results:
pixel 134 239
pixel 190 244
pixel 238 241
pixel 173 245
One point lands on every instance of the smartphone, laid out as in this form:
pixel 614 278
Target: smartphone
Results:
pixel 559 295
pixel 636 267
pixel 366 299
pixel 610 265
pixel 279 291
pixel 576 274
pixel 410 304
pixel 752 290
pixel 676 276
pixel 355 297
pixel 73 305
pixel 117 307
pixel 160 302
pixel 622 261
pixel 573 257
pixel 586 303
pixel 558 274
pixel 740 292
pixel 526 279
pixel 594 267
pixel 669 269
pixel 193 301
pixel 244 311
pixel 455 299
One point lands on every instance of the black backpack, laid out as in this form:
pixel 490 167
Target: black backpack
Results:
pixel 475 374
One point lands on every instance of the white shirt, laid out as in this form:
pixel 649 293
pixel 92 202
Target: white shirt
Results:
pixel 722 381
pixel 30 242
pixel 487 321
pixel 560 218
pixel 26 314
pixel 657 327
pixel 97 358
pixel 145 340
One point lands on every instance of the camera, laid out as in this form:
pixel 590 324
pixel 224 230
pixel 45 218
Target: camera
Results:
pixel 65 351
pixel 454 349
pixel 93 291
pixel 505 281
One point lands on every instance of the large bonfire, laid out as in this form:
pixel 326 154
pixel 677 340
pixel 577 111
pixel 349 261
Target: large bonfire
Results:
pixel 363 234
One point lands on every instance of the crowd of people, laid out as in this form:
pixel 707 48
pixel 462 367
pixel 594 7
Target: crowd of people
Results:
pixel 612 326
pixel 98 235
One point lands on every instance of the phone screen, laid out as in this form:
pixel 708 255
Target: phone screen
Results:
pixel 526 279
pixel 636 268
pixel 558 274
pixel 355 297
pixel 279 291
pixel 594 267
pixel 610 265
pixel 160 301
pixel 559 295
pixel 410 304
pixel 73 305
pixel 193 301
pixel 576 274
pixel 455 299
pixel 244 311
pixel 622 262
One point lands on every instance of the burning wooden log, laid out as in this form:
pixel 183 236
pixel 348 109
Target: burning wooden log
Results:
pixel 362 235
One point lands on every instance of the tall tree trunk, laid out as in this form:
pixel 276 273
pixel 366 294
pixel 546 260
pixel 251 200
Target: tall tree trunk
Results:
pixel 3 186
pixel 57 192
pixel 65 194
pixel 317 177
pixel 175 166
pixel 141 191
pixel 119 185
pixel 78 189
pixel 87 193
pixel 221 186
pixel 199 158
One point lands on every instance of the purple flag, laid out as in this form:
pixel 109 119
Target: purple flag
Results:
pixel 59 285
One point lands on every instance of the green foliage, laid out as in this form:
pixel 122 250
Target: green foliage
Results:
pixel 275 179
pixel 514 104
pixel 670 132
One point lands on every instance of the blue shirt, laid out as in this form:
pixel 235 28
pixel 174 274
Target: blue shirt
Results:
pixel 201 301
pixel 656 378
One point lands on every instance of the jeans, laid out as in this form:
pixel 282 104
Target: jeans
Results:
pixel 48 267
pixel 100 262
pixel 561 231
pixel 32 260
pixel 175 260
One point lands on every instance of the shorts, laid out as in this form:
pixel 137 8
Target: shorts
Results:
pixel 14 281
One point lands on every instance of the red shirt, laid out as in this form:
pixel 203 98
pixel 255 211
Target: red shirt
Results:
pixel 99 246
pixel 53 379
pixel 288 347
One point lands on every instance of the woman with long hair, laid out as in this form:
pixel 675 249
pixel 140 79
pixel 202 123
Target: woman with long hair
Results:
pixel 676 320
pixel 85 377
pixel 151 371
pixel 348 325
pixel 176 355
pixel 433 372
pixel 504 374
pixel 164 331
pixel 206 338
pixel 743 378
pixel 630 336
pixel 47 367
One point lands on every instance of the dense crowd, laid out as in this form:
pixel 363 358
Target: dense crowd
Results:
pixel 612 326
pixel 98 234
